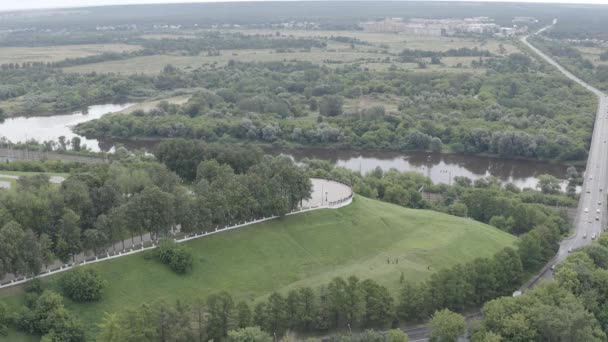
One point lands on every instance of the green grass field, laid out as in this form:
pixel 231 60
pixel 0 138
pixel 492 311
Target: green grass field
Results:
pixel 61 52
pixel 336 54
pixel 303 250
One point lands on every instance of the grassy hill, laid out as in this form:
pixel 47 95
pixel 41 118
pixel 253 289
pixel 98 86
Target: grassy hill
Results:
pixel 302 250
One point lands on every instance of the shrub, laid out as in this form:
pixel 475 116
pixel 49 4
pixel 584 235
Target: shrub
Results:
pixel 178 258
pixel 82 285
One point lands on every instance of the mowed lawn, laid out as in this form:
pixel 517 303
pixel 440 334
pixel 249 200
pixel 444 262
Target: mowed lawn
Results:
pixel 302 250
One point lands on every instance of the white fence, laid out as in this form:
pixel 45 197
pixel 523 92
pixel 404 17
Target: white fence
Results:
pixel 151 245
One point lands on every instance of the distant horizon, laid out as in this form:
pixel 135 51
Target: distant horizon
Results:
pixel 25 5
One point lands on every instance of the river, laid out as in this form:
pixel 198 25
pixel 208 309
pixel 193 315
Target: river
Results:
pixel 43 128
pixel 441 168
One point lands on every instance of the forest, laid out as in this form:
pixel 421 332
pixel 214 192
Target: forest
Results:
pixel 98 206
pixel 517 109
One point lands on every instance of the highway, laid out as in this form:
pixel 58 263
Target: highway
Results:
pixel 591 214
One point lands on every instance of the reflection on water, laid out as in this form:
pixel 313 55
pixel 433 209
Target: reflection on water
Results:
pixel 441 168
pixel 43 128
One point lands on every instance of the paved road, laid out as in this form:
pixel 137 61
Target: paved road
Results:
pixel 591 215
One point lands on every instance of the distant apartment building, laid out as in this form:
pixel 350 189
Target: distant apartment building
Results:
pixel 527 20
pixel 432 27
pixel 439 27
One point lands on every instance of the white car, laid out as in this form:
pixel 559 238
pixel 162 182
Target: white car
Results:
pixel 593 236
pixel 597 211
pixel 586 210
pixel 569 249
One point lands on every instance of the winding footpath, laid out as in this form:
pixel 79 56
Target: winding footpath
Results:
pixel 326 194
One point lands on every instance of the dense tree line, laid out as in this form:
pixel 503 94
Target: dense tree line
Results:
pixel 47 89
pixel 206 42
pixel 509 111
pixel 412 55
pixel 93 209
pixel 573 59
pixel 570 308
pixel 341 304
pixel 213 41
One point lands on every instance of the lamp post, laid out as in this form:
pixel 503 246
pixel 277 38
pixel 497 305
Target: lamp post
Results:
pixel 322 190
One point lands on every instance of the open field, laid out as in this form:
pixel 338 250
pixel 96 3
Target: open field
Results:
pixel 593 54
pixel 381 46
pixel 303 250
pixel 154 64
pixel 396 42
pixel 151 104
pixel 57 53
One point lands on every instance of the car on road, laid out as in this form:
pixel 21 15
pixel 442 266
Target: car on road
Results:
pixel 552 267
pixel 597 218
pixel 569 249
pixel 586 210
pixel 599 203
pixel 597 211
pixel 588 191
pixel 593 236
pixel 585 236
pixel 590 177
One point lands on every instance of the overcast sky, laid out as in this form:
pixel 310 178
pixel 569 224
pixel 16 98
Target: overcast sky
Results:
pixel 32 4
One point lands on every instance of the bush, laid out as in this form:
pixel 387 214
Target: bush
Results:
pixel 34 286
pixel 3 320
pixel 82 285
pixel 178 258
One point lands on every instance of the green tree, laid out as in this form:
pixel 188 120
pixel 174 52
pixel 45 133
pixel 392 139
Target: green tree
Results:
pixel 69 243
pixel 151 211
pixel 243 315
pixel 411 307
pixel 447 326
pixel 94 240
pixel 4 320
pixel 379 308
pixel 249 334
pixel 276 310
pixel 307 308
pixel 548 184
pixel 396 335
pixel 331 105
pixel 32 253
pixel 11 236
pixel 221 313
pixel 110 329
pixel 82 285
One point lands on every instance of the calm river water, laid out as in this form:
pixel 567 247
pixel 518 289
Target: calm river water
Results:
pixel 52 127
pixel 440 168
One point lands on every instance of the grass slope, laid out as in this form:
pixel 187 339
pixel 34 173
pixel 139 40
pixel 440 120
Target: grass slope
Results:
pixel 302 250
